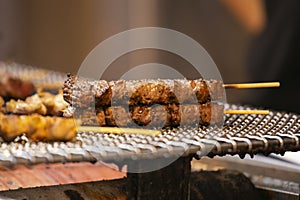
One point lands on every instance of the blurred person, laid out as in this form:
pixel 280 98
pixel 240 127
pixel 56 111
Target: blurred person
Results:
pixel 274 52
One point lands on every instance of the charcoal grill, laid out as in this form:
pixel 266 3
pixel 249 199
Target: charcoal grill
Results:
pixel 277 132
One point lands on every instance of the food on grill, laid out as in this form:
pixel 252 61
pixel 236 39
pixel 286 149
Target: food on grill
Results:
pixel 159 115
pixel 32 104
pixel 1 105
pixel 43 103
pixel 37 127
pixel 117 116
pixel 89 116
pixel 177 115
pixel 55 104
pixel 159 103
pixel 81 92
pixel 12 87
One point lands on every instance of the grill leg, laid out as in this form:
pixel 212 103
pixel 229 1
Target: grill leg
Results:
pixel 171 182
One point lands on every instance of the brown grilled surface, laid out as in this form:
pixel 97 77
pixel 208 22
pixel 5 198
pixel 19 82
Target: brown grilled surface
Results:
pixel 157 116
pixel 81 92
pixel 22 176
pixel 177 115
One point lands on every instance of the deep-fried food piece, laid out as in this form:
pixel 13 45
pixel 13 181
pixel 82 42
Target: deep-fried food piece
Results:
pixel 15 87
pixel 82 92
pixel 37 127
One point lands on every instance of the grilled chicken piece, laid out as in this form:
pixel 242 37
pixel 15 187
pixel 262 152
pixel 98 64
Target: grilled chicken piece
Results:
pixel 32 104
pixel 37 127
pixel 55 104
pixel 43 103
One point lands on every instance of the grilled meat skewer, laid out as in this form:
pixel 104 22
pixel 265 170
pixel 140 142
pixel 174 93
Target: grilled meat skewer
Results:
pixel 82 92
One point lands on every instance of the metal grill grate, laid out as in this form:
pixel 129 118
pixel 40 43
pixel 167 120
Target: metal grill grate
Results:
pixel 34 74
pixel 241 134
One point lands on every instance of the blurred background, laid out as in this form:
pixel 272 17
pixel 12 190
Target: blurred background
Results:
pixel 250 40
pixel 58 35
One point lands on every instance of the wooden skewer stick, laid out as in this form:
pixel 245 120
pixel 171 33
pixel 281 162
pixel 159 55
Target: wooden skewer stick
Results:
pixel 118 130
pixel 229 85
pixel 252 85
pixel 245 112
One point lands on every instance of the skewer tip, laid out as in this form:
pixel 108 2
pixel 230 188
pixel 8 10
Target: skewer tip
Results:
pixel 118 130
pixel 252 85
pixel 247 112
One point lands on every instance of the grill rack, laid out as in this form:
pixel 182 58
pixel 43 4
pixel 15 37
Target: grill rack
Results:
pixel 241 134
pixel 36 75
